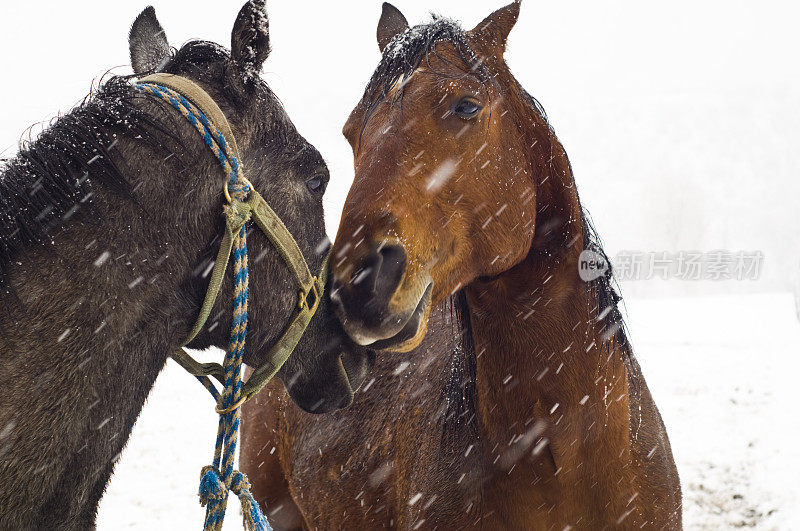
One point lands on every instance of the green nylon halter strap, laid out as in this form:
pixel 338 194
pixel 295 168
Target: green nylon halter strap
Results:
pixel 271 225
pixel 235 216
pixel 310 292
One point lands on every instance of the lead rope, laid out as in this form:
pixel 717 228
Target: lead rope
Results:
pixel 220 478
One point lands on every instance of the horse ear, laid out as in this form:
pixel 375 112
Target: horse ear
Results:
pixel 495 28
pixel 250 38
pixel 391 23
pixel 148 42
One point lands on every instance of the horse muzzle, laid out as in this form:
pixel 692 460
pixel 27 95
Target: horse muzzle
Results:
pixel 379 304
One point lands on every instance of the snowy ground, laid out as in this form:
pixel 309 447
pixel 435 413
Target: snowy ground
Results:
pixel 723 372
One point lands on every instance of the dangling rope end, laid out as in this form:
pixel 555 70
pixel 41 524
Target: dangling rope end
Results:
pixel 252 517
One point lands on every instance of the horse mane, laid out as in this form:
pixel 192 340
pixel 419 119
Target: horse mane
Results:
pixel 47 182
pixel 460 394
pixel 407 51
pixel 604 290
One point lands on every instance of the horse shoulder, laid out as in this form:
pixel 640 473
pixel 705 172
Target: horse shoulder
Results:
pixel 652 454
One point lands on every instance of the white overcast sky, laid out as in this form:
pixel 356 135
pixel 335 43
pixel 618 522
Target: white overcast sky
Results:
pixel 680 118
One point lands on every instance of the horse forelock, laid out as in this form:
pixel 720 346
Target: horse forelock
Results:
pixel 407 51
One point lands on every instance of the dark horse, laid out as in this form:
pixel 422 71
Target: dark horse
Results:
pixel 110 222
pixel 522 407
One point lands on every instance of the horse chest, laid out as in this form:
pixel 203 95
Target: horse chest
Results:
pixel 386 482
pixel 388 461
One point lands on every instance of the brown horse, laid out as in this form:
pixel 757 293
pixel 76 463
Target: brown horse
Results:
pixel 519 403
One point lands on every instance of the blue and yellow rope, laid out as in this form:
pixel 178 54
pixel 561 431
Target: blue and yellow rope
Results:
pixel 220 477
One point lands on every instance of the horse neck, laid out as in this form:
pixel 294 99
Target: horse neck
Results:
pixel 87 324
pixel 540 350
pixel 116 260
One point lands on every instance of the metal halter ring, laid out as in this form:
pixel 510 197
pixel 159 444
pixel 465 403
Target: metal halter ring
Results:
pixel 232 407
pixel 244 180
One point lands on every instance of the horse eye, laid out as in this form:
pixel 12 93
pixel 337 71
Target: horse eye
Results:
pixel 466 108
pixel 316 184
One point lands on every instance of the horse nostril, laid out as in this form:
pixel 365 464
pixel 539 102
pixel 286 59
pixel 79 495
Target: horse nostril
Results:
pixel 393 265
pixel 373 280
pixel 366 266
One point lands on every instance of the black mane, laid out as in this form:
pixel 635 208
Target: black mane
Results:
pixel 461 393
pixel 605 288
pixel 48 181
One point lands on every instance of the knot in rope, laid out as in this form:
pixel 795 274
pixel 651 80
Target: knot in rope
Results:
pixel 214 496
pixel 239 483
pixel 212 488
pixel 238 212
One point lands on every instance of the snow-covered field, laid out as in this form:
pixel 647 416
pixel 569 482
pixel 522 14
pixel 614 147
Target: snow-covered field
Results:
pixel 723 371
